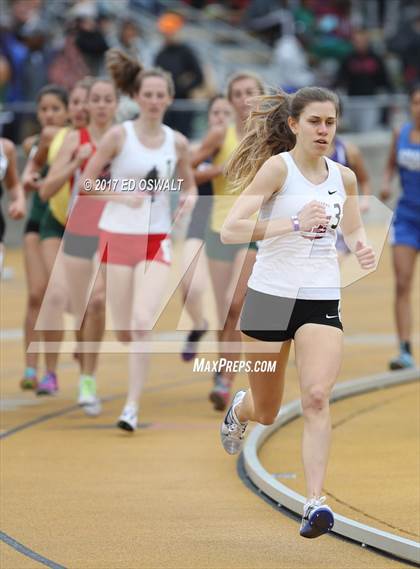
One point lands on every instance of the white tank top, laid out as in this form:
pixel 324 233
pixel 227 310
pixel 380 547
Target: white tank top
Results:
pixel 296 265
pixel 140 164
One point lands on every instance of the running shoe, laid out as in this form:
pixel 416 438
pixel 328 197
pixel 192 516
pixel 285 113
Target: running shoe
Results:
pixel 232 430
pixel 403 361
pixel 29 379
pixel 189 351
pixel 317 518
pixel 220 394
pixel 128 418
pixel 48 385
pixel 87 396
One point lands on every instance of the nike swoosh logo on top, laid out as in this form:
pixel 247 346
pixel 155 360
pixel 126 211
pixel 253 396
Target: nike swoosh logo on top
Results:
pixel 331 193
pixel 334 316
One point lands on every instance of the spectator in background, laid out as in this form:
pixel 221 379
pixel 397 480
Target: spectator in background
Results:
pixel 5 75
pixel 34 34
pixel 68 66
pixel 268 19
pixel 89 38
pixel 152 6
pixel 406 44
pixel 178 59
pixel 22 12
pixel 130 41
pixel 363 74
pixel 324 28
pixel 294 71
pixel 305 22
pixel 14 53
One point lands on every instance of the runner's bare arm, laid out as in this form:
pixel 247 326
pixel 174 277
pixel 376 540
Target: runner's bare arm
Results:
pixel 238 227
pixel 185 173
pixel 41 154
pixel 352 226
pixel 17 206
pixel 209 146
pixel 108 148
pixel 207 173
pixel 63 168
pixel 358 165
pixel 390 168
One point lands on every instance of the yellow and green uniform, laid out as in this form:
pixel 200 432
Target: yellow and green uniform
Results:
pixel 59 202
pixel 55 215
pixel 223 201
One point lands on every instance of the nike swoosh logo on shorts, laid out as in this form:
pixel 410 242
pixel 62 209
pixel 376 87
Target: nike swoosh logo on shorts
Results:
pixel 331 193
pixel 334 316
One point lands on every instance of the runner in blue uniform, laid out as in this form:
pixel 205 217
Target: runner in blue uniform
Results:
pixel 405 234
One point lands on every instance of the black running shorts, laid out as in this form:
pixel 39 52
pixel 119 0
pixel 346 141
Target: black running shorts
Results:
pixel 273 318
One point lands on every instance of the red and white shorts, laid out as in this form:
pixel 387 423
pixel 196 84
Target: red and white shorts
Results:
pixel 129 250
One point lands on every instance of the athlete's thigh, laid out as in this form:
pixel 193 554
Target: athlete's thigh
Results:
pixel 242 269
pixel 319 352
pixel 150 284
pixel 50 250
pixel 220 274
pixel 404 259
pixel 55 264
pixel 36 271
pixel 119 294
pixel 97 282
pixel 267 387
pixel 194 263
pixel 54 259
pixel 78 273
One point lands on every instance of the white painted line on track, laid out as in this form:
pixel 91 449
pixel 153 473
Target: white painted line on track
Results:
pixel 177 338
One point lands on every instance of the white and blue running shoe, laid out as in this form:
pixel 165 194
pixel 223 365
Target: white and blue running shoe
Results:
pixel 317 518
pixel 403 361
pixel 232 430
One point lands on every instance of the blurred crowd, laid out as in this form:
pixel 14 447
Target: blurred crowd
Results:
pixel 359 48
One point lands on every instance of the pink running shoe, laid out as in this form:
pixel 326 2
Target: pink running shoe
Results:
pixel 48 385
pixel 220 394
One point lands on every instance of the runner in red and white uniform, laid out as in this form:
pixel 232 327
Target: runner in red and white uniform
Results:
pixel 81 238
pixel 135 225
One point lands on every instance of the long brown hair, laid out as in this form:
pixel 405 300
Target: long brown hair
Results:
pixel 128 74
pixel 268 132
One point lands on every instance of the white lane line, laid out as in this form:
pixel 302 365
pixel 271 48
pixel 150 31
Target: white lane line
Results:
pixel 14 334
pixel 13 403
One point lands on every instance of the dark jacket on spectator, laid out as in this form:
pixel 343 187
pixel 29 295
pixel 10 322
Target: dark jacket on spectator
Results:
pixel 363 74
pixel 181 62
pixel 93 46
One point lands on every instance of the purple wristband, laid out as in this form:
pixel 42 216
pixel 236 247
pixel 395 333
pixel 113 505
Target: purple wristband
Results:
pixel 296 224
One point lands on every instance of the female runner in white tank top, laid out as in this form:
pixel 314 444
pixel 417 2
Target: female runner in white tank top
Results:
pixel 294 289
pixel 135 226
